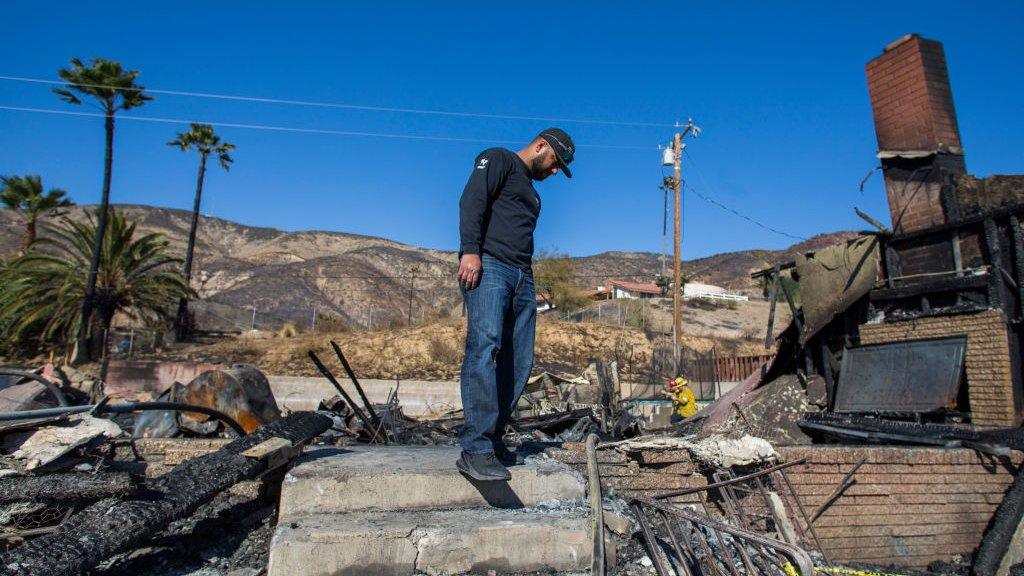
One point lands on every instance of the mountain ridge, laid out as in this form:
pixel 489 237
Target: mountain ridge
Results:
pixel 366 281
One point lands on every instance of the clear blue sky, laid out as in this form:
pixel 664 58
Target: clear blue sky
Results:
pixel 779 90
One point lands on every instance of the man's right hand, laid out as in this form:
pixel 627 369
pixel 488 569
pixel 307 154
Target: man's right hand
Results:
pixel 470 269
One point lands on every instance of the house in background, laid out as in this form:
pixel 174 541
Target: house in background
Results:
pixel 626 289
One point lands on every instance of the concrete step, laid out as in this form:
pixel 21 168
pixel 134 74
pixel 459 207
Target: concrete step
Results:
pixel 432 542
pixel 326 480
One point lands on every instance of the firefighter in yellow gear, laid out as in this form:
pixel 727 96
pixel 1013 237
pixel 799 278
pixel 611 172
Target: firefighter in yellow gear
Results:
pixel 684 402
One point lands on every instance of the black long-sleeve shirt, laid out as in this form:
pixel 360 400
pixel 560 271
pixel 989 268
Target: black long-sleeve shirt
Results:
pixel 499 209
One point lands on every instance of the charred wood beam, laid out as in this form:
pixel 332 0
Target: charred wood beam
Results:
pixel 792 308
pixel 870 220
pixel 773 297
pixel 892 265
pixel 114 525
pixel 68 486
pixel 355 382
pixel 1018 256
pixel 948 197
pixel 958 259
pixel 950 284
pixel 337 386
pixel 1000 531
pixel 773 270
pixel 995 259
pixel 828 368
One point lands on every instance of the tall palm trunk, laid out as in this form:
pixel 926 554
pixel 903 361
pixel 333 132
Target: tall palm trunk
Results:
pixel 30 234
pixel 106 319
pixel 181 320
pixel 101 227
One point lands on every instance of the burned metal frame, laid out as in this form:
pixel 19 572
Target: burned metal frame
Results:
pixel 26 374
pixel 348 399
pixel 355 382
pixel 688 538
pixel 124 408
pixel 733 491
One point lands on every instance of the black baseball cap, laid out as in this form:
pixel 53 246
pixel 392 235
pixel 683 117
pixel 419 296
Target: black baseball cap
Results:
pixel 562 144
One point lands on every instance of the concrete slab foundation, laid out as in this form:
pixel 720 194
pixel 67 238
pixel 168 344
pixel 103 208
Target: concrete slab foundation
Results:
pixel 414 477
pixel 432 542
pixel 407 510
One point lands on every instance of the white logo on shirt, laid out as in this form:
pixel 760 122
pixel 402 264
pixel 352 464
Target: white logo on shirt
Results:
pixel 482 164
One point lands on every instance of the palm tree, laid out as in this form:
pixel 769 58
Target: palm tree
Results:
pixel 25 194
pixel 45 287
pixel 114 89
pixel 200 138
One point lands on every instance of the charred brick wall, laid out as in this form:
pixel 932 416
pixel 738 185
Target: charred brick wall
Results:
pixel 909 506
pixel 988 368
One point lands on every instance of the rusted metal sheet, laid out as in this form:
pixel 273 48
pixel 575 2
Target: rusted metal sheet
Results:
pixel 901 377
pixel 242 392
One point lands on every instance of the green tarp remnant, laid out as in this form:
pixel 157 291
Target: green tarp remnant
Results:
pixel 833 278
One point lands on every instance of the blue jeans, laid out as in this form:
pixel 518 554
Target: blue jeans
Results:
pixel 502 316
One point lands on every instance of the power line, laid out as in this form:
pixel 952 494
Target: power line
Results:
pixel 349 106
pixel 300 130
pixel 727 208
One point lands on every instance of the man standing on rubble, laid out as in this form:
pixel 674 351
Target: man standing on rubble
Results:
pixel 497 216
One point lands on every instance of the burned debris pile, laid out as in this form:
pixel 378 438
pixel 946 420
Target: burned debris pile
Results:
pixel 895 393
pixel 81 483
pixel 116 525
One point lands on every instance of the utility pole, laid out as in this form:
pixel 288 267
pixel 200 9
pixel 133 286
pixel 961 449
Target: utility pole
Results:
pixel 314 320
pixel 677 311
pixel 674 156
pixel 252 327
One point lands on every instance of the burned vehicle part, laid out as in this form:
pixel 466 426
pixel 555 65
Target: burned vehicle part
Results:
pixel 241 392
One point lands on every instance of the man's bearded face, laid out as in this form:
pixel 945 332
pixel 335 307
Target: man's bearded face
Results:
pixel 541 164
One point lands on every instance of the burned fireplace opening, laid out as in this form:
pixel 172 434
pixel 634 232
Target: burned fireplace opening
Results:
pixel 919 380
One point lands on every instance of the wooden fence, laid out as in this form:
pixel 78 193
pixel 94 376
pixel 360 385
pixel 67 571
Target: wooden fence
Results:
pixel 708 368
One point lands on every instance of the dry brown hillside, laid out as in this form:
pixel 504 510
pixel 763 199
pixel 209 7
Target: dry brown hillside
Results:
pixel 362 282
pixel 434 350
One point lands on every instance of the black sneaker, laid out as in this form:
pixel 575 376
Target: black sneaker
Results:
pixel 506 456
pixel 484 467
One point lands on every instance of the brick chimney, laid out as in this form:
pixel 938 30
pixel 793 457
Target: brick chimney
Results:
pixel 918 139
